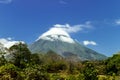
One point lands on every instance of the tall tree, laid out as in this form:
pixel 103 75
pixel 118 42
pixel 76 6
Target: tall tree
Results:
pixel 20 54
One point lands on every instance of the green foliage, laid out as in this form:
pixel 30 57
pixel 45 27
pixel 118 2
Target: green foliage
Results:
pixel 9 72
pixel 2 60
pixel 71 68
pixel 56 77
pixel 35 59
pixel 113 65
pixel 56 67
pixel 90 73
pixel 54 63
pixel 26 66
pixel 80 77
pixel 71 77
pixel 20 55
pixel 35 73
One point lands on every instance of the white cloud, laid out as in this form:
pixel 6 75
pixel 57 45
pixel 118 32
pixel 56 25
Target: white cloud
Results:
pixel 117 22
pixel 6 1
pixel 74 28
pixel 89 43
pixel 8 42
pixel 66 29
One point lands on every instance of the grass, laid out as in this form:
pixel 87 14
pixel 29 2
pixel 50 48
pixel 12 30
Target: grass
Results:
pixel 107 77
pixel 78 76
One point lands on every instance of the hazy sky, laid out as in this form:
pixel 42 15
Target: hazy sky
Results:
pixel 96 23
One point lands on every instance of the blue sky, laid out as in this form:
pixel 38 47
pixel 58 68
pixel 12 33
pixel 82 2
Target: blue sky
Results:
pixel 27 19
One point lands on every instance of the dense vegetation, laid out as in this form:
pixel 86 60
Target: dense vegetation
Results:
pixel 20 64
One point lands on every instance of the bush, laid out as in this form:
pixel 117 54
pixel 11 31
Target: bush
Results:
pixel 56 77
pixel 35 73
pixel 90 73
pixel 71 77
pixel 9 72
pixel 80 77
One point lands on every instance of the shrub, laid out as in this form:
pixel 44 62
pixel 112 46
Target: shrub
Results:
pixel 90 73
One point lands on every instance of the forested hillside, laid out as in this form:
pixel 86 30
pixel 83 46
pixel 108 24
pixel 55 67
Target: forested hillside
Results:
pixel 21 64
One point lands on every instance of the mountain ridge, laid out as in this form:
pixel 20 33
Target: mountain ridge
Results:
pixel 61 47
pixel 58 40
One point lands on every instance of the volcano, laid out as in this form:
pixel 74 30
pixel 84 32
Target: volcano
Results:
pixel 58 40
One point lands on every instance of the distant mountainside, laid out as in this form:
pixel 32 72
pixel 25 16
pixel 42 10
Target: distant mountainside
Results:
pixel 2 48
pixel 60 42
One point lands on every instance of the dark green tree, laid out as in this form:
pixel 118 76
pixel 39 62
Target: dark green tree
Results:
pixel 113 64
pixel 90 73
pixel 35 59
pixel 20 54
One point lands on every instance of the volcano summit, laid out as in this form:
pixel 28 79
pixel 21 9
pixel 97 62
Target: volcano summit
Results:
pixel 58 40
